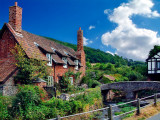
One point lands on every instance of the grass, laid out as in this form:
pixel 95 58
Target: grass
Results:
pixel 125 108
pixel 146 112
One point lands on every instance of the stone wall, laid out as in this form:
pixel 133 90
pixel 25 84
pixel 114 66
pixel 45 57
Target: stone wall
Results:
pixel 8 88
pixel 130 87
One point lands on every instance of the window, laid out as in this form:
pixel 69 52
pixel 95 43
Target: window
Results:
pixel 50 81
pixel 36 44
pixel 71 79
pixel 158 65
pixel 53 49
pixel 149 66
pixel 50 59
pixel 65 62
pixel 65 53
pixel 76 63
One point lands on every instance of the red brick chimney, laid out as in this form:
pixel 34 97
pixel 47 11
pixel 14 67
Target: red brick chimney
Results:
pixel 15 17
pixel 80 39
pixel 80 51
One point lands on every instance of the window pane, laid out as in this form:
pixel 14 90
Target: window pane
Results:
pixel 71 79
pixel 158 65
pixel 50 81
pixel 153 65
pixel 149 65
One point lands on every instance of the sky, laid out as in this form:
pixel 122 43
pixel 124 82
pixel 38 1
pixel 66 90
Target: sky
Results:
pixel 129 28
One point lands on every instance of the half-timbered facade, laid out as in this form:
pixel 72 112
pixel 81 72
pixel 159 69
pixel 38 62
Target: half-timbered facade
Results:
pixel 153 65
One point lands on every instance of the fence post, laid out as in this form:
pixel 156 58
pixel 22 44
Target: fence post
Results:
pixel 110 115
pixel 155 99
pixel 138 106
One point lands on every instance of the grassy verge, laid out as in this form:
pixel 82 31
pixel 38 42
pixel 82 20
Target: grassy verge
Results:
pixel 146 112
pixel 125 108
pixel 29 104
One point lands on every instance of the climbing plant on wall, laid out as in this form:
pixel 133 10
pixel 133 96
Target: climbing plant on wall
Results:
pixel 28 69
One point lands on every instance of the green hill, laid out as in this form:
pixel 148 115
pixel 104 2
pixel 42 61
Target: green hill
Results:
pixel 98 56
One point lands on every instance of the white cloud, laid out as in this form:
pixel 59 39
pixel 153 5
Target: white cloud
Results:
pixel 86 41
pixel 90 41
pixel 110 53
pixel 129 40
pixel 107 11
pixel 91 27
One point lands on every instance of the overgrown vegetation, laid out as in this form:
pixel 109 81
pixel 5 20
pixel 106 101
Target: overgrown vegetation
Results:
pixel 29 69
pixel 29 104
pixel 124 109
pixel 65 83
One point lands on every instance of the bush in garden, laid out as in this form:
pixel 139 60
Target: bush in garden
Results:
pixel 95 83
pixel 65 83
pixel 28 96
pixel 4 103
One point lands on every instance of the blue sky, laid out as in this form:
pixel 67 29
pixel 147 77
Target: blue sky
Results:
pixel 128 28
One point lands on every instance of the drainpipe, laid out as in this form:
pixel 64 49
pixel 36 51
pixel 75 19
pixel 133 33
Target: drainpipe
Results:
pixel 54 72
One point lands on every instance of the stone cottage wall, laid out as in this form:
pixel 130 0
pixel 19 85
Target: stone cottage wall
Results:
pixel 8 88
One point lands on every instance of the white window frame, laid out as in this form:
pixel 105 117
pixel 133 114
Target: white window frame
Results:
pixel 50 81
pixel 71 80
pixel 49 56
pixel 76 64
pixel 65 62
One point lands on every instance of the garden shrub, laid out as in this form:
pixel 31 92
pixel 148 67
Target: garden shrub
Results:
pixel 4 103
pixel 95 83
pixel 65 83
pixel 27 97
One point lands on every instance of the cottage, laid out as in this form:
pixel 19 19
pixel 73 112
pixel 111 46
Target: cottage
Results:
pixel 60 58
pixel 153 63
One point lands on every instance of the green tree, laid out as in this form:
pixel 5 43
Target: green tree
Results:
pixel 154 50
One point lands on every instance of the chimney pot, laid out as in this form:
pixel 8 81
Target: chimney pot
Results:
pixel 79 28
pixel 16 3
pixel 15 17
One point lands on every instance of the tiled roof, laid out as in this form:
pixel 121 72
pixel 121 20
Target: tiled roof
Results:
pixel 70 62
pixel 27 41
pixel 7 66
pixel 57 59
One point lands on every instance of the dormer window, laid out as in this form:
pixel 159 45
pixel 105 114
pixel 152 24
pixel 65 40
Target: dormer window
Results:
pixel 53 49
pixel 76 64
pixel 65 62
pixel 36 44
pixel 49 56
pixel 65 53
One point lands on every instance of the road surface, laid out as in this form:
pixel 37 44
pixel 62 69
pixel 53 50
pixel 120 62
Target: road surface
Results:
pixel 156 117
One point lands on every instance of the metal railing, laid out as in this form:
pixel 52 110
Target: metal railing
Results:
pixel 111 116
